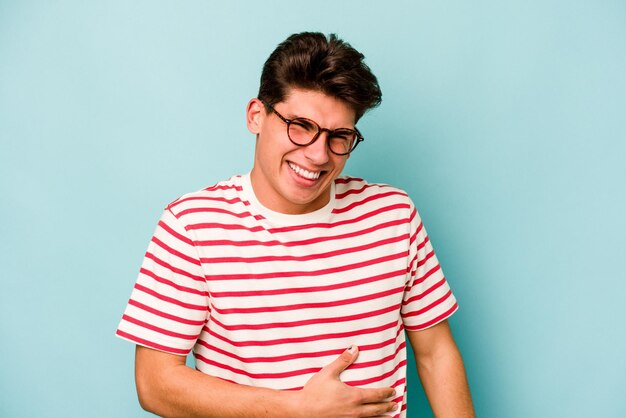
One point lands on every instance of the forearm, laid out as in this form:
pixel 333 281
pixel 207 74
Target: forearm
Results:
pixel 443 377
pixel 179 391
pixel 167 387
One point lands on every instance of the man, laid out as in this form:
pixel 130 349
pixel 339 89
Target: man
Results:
pixel 295 286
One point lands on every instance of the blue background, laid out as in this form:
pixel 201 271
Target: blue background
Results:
pixel 504 120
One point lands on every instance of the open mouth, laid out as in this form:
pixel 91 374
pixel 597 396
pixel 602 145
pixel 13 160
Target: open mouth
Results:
pixel 309 175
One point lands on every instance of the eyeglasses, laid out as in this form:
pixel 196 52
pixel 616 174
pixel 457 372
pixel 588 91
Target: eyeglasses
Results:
pixel 303 132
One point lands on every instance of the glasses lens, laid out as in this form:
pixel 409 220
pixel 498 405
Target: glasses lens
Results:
pixel 341 141
pixel 302 131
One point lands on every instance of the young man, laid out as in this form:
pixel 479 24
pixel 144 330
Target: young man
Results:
pixel 295 286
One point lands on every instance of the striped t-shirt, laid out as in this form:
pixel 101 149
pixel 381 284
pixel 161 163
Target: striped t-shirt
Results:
pixel 267 299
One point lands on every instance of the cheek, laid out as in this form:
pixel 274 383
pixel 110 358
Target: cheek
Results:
pixel 272 157
pixel 339 163
pixel 266 150
pixel 273 145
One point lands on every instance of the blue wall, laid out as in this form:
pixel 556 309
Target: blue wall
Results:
pixel 504 121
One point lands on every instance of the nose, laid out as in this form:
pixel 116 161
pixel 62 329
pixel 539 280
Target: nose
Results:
pixel 317 152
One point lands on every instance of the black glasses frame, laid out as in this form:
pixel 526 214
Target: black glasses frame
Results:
pixel 359 138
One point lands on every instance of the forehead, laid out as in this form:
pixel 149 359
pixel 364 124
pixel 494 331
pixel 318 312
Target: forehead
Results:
pixel 322 108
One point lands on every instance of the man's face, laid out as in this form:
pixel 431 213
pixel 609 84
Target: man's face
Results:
pixel 293 179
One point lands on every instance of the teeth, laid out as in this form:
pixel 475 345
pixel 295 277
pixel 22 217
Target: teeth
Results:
pixel 305 173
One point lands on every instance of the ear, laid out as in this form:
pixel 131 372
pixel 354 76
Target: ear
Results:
pixel 255 114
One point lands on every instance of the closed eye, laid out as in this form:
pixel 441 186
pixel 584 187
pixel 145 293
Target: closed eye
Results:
pixel 304 124
pixel 343 134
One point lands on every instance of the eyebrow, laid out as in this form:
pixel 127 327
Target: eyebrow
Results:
pixel 292 117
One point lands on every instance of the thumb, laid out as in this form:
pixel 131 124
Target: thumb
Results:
pixel 342 362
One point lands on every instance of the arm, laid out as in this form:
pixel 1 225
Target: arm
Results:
pixel 167 387
pixel 440 368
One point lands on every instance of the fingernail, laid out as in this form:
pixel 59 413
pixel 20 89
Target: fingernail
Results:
pixel 395 406
pixel 352 349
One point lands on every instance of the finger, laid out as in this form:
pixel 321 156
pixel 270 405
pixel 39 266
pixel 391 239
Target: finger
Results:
pixel 376 395
pixel 378 409
pixel 342 362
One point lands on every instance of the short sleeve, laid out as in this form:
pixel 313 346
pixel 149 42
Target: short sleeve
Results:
pixel 169 304
pixel 428 298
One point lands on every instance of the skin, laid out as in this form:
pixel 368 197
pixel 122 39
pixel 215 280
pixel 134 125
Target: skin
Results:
pixel 275 184
pixel 441 371
pixel 167 387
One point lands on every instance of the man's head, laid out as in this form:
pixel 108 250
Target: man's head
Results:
pixel 312 61
pixel 313 91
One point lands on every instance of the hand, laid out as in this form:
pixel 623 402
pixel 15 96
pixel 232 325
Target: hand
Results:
pixel 326 396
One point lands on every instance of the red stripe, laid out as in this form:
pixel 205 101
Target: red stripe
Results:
pixel 307 257
pixel 367 200
pixel 416 233
pixel 430 306
pixel 399 399
pixel 169 299
pixel 175 234
pixel 228 227
pixel 413 214
pixel 312 305
pixel 216 210
pixel 363 382
pixel 339 196
pixel 291 373
pixel 346 180
pixel 341 223
pixel 304 322
pixel 219 186
pixel 314 273
pixel 280 341
pixel 422 262
pixel 276 359
pixel 399 382
pixel 378 361
pixel 426 275
pixel 255 293
pixel 413 261
pixel 160 330
pixel 279 375
pixel 423 243
pixel 205 198
pixel 174 252
pixel 164 314
pixel 172 284
pixel 299 355
pixel 173 269
pixel 426 292
pixel 301 242
pixel 434 320
pixel 151 344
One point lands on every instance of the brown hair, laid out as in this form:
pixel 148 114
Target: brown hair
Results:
pixel 310 60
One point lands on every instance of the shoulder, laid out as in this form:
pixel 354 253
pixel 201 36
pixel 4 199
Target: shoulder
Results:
pixel 222 195
pixel 353 192
pixel 356 189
